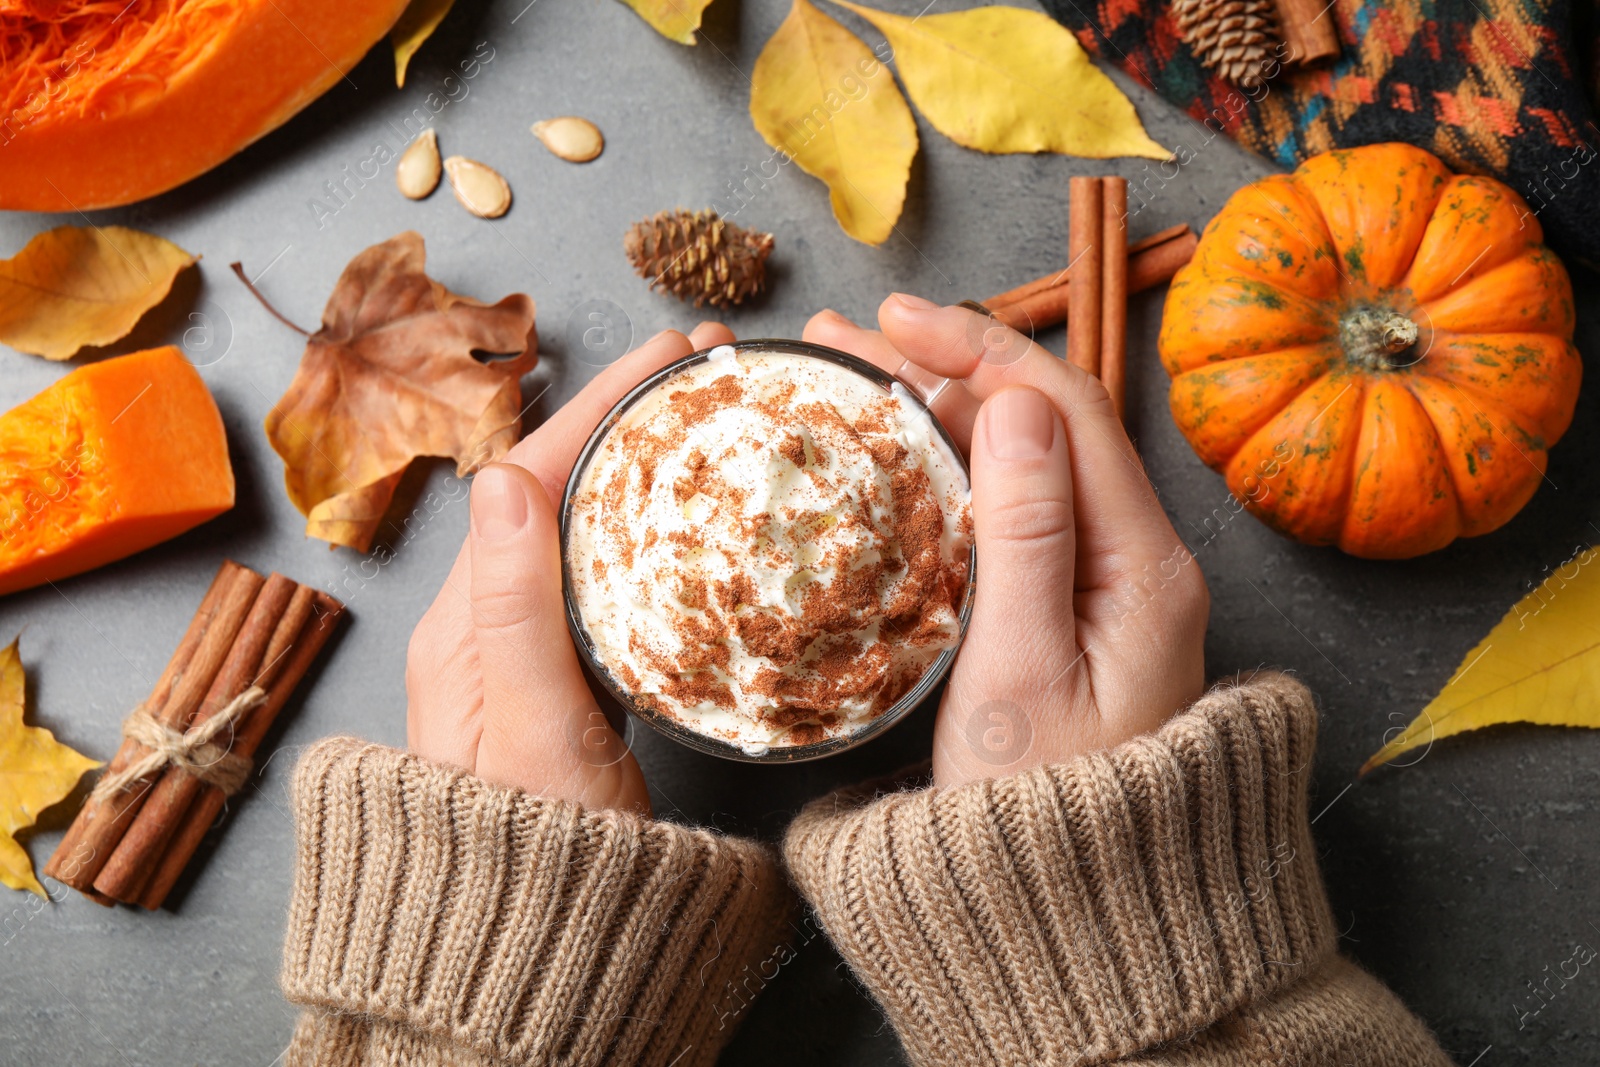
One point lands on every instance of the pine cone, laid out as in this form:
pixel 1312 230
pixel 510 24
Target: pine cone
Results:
pixel 1235 38
pixel 697 255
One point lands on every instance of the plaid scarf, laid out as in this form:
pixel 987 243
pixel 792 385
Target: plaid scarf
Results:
pixel 1489 86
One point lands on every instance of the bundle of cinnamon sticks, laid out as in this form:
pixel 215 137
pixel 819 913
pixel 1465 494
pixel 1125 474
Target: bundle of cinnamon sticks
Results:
pixel 1091 294
pixel 131 843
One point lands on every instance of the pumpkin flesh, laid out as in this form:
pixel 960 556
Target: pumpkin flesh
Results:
pixel 1382 349
pixel 105 102
pixel 115 457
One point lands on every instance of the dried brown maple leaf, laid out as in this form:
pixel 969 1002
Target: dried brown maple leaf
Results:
pixel 391 376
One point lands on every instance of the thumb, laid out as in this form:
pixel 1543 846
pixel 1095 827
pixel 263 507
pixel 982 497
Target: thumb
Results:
pixel 1022 628
pixel 539 717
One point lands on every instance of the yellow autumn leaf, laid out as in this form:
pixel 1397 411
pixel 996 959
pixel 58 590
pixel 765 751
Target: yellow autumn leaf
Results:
pixel 1002 79
pixel 674 19
pixel 36 771
pixel 1540 664
pixel 416 25
pixel 820 95
pixel 75 286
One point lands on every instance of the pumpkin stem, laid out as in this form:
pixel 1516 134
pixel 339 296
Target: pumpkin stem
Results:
pixel 1374 336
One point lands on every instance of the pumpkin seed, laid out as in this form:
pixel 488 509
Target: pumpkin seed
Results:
pixel 417 173
pixel 573 139
pixel 478 186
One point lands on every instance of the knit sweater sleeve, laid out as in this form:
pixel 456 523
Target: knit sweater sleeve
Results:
pixel 437 919
pixel 1158 902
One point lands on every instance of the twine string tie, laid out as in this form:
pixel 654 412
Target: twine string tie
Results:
pixel 193 751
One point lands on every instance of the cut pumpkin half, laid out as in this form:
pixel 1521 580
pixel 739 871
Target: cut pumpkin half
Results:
pixel 105 102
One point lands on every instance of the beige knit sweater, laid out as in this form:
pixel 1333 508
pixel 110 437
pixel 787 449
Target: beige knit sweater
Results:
pixel 1155 904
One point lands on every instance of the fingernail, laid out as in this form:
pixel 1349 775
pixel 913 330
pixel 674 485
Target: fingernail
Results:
pixel 1019 424
pixel 499 505
pixel 915 303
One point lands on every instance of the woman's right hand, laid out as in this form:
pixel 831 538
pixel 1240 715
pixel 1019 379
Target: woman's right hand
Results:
pixel 493 682
pixel 1088 626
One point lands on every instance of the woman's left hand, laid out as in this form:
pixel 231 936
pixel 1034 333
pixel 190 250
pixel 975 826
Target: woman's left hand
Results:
pixel 493 682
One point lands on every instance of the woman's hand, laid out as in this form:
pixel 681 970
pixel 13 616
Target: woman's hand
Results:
pixel 1088 626
pixel 493 682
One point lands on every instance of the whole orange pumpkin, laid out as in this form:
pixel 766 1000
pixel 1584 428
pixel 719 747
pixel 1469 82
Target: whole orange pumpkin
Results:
pixel 1376 353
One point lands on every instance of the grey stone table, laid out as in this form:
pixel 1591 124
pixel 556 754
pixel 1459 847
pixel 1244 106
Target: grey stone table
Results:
pixel 1458 880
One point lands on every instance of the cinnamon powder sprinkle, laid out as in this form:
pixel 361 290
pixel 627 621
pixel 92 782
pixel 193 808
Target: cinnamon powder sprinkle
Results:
pixel 874 578
pixel 793 449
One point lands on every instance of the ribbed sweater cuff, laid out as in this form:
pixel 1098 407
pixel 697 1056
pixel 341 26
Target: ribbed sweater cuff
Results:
pixel 1081 912
pixel 508 926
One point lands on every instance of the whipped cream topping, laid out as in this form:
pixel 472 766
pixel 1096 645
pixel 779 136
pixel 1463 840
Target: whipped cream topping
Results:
pixel 770 549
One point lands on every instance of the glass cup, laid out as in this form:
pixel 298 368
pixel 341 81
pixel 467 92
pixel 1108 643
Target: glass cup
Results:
pixel 674 729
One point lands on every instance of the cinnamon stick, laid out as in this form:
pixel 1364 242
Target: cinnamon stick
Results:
pixel 1308 30
pixel 320 617
pixel 1083 287
pixel 170 794
pixel 1050 281
pixel 100 825
pixel 294 619
pixel 1114 293
pixel 1049 306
